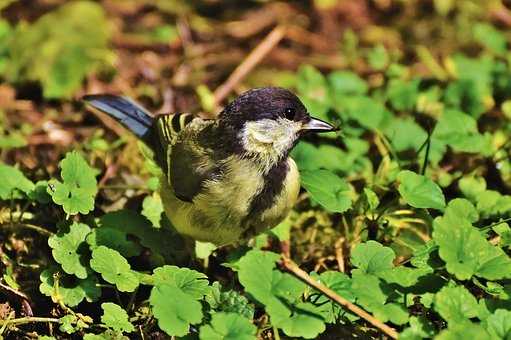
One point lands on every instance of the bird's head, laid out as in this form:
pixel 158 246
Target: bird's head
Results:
pixel 267 122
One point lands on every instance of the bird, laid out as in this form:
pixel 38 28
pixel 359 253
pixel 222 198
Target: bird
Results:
pixel 227 179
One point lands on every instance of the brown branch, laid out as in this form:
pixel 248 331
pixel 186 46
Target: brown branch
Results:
pixel 254 58
pixel 293 268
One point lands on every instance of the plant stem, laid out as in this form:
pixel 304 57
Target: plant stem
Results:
pixel 298 272
pixel 27 319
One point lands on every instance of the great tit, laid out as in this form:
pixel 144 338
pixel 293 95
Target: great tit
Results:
pixel 223 180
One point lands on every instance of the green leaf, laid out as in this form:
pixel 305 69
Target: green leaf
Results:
pixel 229 301
pixel 76 193
pixel 114 239
pixel 328 189
pixel 114 268
pixel 405 134
pixel 465 251
pixel 472 186
pixel 491 38
pixel 372 199
pixel 116 318
pixel 366 111
pixel 189 281
pixel 393 312
pixel 70 291
pixel 339 283
pixel 12 181
pixel 419 328
pixel 419 191
pixel 455 304
pixel 313 91
pixel 152 208
pixel 368 289
pixel 174 309
pixel 304 321
pixel 372 257
pixel 460 332
pixel 67 52
pixel 346 83
pixel 228 326
pixel 67 249
pixel 256 274
pixel 378 57
pixel 404 276
pixel 402 94
pixel 498 324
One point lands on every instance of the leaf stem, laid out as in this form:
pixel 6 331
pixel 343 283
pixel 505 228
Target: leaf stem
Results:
pixel 293 268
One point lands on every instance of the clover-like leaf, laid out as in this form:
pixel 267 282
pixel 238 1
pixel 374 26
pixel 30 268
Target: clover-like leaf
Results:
pixel 114 239
pixel 69 291
pixel 174 309
pixel 466 252
pixel 419 191
pixel 13 181
pixel 79 187
pixel 404 276
pixel 372 257
pixel 114 268
pixel 68 249
pixel 460 331
pixel 189 281
pixel 419 328
pixel 116 318
pixel 304 321
pixel 152 208
pixel 455 304
pixel 328 189
pixel 498 324
pixel 339 283
pixel 228 326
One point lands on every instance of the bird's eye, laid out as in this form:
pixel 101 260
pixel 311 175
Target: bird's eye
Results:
pixel 289 113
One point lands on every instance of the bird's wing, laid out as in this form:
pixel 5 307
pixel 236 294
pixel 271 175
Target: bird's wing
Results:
pixel 187 163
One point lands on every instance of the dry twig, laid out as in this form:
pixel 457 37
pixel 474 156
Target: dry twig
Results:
pixel 257 54
pixel 293 268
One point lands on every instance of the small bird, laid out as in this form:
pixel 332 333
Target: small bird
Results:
pixel 223 180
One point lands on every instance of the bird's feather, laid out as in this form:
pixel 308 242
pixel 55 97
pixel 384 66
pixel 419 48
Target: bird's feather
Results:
pixel 129 113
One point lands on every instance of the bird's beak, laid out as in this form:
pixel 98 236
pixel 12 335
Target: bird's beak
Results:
pixel 317 125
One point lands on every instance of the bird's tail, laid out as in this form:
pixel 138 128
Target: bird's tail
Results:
pixel 130 114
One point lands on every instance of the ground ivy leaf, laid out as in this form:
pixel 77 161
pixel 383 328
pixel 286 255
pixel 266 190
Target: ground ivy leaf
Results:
pixel 114 268
pixel 466 252
pixel 393 312
pixel 152 208
pixel 228 326
pixel 270 287
pixel 339 283
pixel 498 324
pixel 420 328
pixel 328 189
pixel 189 281
pixel 419 191
pixel 79 187
pixel 305 321
pixel 12 180
pixel 368 289
pixel 71 292
pixel 68 251
pixel 455 304
pixel 472 186
pixel 174 309
pixel 116 318
pixel 462 208
pixel 114 239
pixel 404 276
pixel 371 257
pixel 462 330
